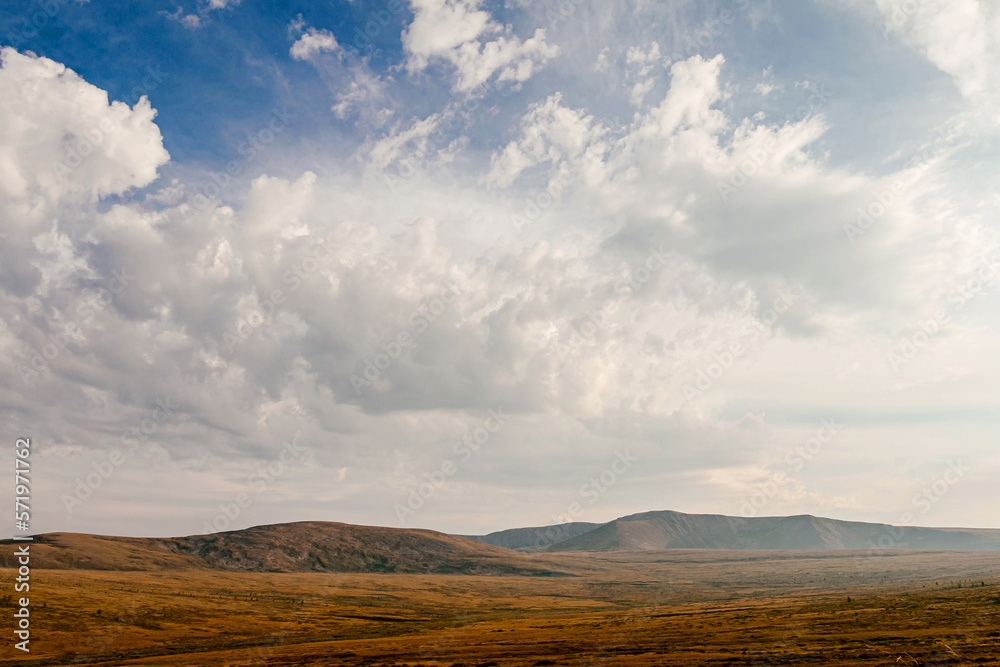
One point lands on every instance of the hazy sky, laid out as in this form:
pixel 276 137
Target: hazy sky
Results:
pixel 297 260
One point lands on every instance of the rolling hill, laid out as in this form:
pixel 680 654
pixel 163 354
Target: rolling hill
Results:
pixel 311 546
pixel 538 537
pixel 319 546
pixel 674 530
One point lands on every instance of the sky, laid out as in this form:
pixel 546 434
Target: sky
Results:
pixel 470 265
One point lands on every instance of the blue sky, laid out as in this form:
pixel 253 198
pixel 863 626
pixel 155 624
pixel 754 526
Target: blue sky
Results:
pixel 689 230
pixel 216 81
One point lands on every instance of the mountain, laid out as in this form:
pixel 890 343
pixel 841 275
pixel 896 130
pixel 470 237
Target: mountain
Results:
pixel 674 530
pixel 311 546
pixel 319 546
pixel 539 537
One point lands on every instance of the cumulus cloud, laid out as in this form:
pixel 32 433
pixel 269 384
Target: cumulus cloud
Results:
pixel 513 325
pixel 610 267
pixel 62 143
pixel 550 133
pixel 121 146
pixel 677 176
pixel 456 31
pixel 640 64
pixel 312 43
pixel 357 90
pixel 255 323
pixel 962 38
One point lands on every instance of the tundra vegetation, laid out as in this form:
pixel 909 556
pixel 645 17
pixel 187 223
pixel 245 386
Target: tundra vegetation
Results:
pixel 211 601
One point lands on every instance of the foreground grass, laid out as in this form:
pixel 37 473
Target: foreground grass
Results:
pixel 655 608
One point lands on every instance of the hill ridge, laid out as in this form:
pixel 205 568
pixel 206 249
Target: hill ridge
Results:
pixel 332 546
pixel 668 529
pixel 301 546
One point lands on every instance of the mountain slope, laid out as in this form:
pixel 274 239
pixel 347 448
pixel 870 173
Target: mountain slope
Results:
pixel 535 538
pixel 674 530
pixel 313 546
pixel 337 547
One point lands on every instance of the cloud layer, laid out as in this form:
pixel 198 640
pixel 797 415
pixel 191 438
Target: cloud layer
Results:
pixel 682 279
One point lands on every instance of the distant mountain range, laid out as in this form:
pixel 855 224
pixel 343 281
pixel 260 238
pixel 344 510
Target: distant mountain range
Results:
pixel 674 530
pixel 320 546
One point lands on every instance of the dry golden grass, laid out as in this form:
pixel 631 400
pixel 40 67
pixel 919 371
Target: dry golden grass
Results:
pixel 653 608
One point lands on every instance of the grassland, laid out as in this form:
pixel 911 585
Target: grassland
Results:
pixel 682 607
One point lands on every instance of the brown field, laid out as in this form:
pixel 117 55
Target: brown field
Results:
pixel 682 607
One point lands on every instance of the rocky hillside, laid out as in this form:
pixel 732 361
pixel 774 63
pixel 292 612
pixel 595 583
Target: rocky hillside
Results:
pixel 312 546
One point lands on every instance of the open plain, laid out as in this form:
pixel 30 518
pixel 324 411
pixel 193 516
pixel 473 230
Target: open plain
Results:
pixel 676 607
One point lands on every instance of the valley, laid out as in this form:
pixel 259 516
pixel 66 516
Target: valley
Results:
pixel 673 607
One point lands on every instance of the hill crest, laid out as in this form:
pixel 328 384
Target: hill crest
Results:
pixel 666 529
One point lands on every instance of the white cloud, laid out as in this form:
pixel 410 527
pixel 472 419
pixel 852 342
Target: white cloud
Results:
pixel 356 89
pixel 639 65
pixel 767 86
pixel 365 93
pixel 527 325
pixel 451 30
pixel 201 16
pixel 550 132
pixel 389 148
pixel 79 143
pixel 188 326
pixel 676 176
pixel 62 142
pixel 961 37
pixel 764 88
pixel 642 61
pixel 601 64
pixel 442 26
pixel 312 43
pixel 191 21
